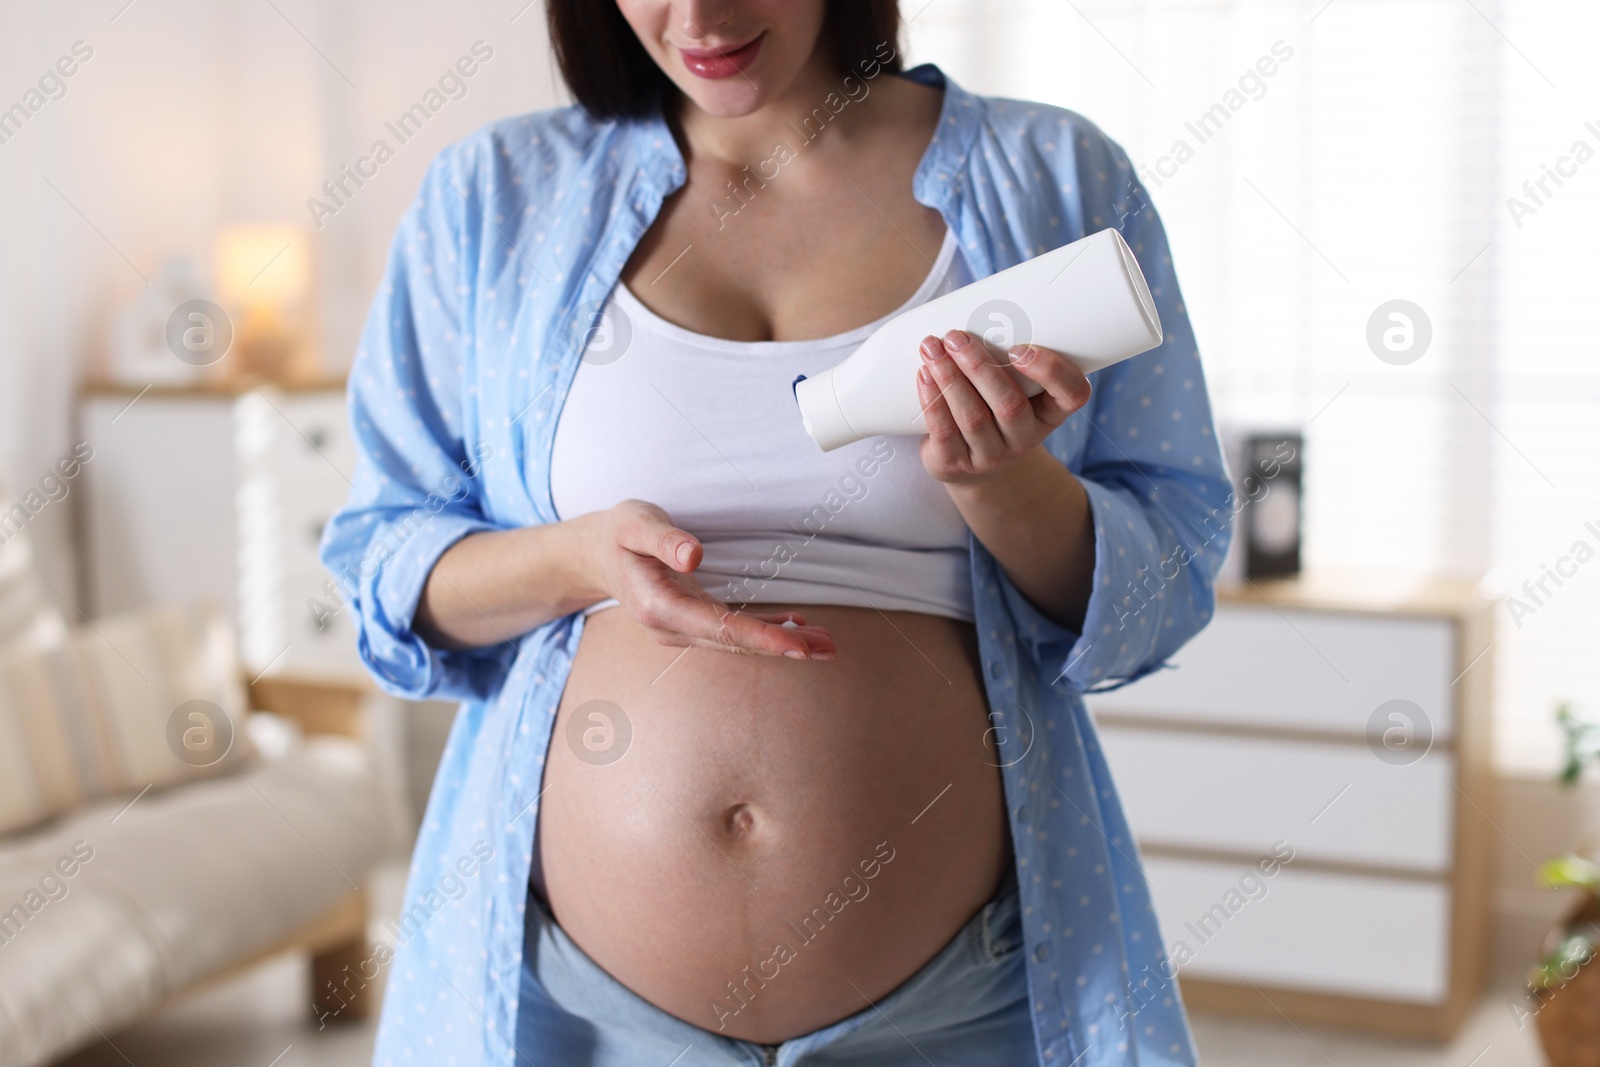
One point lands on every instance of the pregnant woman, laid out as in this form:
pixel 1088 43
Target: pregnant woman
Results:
pixel 767 755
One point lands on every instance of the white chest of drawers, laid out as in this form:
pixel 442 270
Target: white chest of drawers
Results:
pixel 1347 720
pixel 221 495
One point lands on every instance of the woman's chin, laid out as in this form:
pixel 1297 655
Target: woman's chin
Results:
pixel 725 100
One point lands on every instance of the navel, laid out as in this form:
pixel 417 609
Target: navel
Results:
pixel 740 821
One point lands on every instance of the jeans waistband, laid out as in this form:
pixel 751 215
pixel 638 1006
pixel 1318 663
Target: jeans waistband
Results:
pixel 973 992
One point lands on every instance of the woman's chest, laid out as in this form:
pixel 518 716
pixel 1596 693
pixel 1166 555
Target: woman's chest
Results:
pixel 736 256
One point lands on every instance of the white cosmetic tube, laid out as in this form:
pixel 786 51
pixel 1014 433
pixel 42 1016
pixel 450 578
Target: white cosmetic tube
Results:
pixel 1087 300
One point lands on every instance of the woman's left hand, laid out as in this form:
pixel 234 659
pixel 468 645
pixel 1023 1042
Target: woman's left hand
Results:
pixel 979 419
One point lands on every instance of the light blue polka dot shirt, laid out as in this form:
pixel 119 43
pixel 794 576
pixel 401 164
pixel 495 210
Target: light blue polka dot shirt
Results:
pixel 471 345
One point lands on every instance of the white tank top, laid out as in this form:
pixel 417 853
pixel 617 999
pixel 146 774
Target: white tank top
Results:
pixel 708 429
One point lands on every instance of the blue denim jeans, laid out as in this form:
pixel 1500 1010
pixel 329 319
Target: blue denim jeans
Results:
pixel 967 1007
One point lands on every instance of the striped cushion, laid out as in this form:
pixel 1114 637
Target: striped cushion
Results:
pixel 99 716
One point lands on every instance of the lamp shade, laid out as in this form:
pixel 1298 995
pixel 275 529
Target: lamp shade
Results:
pixel 263 265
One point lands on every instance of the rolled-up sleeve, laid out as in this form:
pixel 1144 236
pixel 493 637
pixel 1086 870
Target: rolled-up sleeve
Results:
pixel 417 489
pixel 1158 489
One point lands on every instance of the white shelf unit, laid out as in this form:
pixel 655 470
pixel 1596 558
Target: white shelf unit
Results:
pixel 1268 731
pixel 221 495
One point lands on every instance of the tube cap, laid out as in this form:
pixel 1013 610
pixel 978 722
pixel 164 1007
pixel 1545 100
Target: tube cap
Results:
pixel 821 414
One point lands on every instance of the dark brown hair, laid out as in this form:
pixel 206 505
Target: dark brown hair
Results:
pixel 612 76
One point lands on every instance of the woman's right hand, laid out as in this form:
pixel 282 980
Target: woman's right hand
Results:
pixel 648 564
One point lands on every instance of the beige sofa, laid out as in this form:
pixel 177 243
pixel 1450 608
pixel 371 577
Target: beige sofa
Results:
pixel 120 899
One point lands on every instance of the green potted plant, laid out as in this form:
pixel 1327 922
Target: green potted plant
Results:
pixel 1582 743
pixel 1566 983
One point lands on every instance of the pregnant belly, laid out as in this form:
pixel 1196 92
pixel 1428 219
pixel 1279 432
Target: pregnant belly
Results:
pixel 768 845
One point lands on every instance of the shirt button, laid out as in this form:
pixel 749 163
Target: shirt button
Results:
pixel 994 668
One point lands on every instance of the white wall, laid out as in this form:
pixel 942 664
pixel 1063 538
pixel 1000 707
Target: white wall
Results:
pixel 191 115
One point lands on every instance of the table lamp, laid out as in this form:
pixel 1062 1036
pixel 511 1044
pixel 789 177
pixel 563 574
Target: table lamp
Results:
pixel 264 281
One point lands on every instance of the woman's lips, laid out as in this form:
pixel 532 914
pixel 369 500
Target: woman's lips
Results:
pixel 724 62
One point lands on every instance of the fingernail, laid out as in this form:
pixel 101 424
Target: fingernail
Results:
pixel 684 553
pixel 795 653
pixel 822 655
pixel 957 340
pixel 1022 355
pixel 930 349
